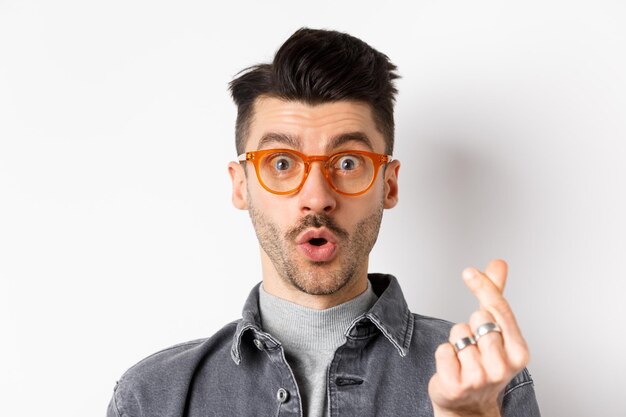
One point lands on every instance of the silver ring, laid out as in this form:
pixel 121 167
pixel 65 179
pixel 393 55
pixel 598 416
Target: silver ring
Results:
pixel 463 342
pixel 485 328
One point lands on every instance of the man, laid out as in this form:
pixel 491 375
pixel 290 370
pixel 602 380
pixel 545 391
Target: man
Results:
pixel 321 337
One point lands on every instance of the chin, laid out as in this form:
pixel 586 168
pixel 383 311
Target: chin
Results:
pixel 319 282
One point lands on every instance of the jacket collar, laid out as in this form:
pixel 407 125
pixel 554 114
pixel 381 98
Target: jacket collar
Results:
pixel 390 315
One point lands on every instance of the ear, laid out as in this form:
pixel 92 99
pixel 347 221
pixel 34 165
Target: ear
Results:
pixel 391 184
pixel 240 191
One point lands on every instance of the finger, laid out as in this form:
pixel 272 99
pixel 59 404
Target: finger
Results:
pixel 491 300
pixel 479 318
pixel 447 365
pixel 472 373
pixel 497 272
pixel 491 349
pixel 488 294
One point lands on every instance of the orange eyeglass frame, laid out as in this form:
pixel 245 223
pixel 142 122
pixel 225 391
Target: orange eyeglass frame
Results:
pixel 256 156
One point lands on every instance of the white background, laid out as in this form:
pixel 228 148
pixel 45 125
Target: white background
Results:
pixel 117 236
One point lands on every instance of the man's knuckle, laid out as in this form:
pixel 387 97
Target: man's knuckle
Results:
pixel 457 328
pixel 442 351
pixel 480 379
pixel 477 316
pixel 520 359
pixel 498 372
pixel 457 392
pixel 476 380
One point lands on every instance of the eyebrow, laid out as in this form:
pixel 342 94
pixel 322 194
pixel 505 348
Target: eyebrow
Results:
pixel 344 138
pixel 285 139
pixel 295 142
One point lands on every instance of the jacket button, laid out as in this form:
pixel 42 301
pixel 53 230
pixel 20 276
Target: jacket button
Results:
pixel 259 345
pixel 282 395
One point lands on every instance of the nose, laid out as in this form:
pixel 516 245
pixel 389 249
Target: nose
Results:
pixel 316 196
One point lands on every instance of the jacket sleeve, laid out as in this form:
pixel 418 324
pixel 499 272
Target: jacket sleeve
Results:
pixel 519 397
pixel 112 411
pixel 123 403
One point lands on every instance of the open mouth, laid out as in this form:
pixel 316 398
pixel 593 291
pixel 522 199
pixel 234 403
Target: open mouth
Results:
pixel 317 245
pixel 318 241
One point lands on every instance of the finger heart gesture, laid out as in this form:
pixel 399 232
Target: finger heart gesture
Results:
pixel 482 356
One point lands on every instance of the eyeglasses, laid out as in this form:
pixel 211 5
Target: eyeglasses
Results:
pixel 284 171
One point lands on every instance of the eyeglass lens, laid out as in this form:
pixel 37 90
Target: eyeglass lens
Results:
pixel 284 171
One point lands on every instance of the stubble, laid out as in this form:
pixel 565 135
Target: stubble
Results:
pixel 317 278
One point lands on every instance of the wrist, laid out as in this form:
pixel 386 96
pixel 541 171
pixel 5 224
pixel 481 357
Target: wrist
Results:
pixel 492 412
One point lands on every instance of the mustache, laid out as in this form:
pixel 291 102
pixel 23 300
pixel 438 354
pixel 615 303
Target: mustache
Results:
pixel 317 221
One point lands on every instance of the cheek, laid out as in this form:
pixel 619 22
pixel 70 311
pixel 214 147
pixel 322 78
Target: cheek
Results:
pixel 275 209
pixel 372 200
pixel 257 196
pixel 359 208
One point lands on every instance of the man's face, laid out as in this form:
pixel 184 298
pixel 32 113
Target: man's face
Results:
pixel 316 240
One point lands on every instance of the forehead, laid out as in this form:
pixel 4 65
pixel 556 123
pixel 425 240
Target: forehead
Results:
pixel 313 126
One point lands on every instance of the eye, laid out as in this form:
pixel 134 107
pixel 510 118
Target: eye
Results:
pixel 281 164
pixel 348 162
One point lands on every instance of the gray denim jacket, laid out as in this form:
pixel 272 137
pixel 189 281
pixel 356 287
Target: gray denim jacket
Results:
pixel 383 369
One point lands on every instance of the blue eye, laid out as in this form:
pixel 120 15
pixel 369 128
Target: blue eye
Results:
pixel 281 164
pixel 348 163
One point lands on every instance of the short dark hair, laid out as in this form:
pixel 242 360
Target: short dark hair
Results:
pixel 320 66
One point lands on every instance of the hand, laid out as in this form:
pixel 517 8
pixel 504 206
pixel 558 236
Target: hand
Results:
pixel 467 383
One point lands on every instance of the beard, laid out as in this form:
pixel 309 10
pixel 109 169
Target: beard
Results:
pixel 317 278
